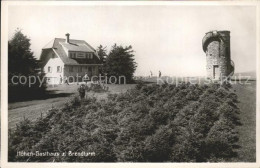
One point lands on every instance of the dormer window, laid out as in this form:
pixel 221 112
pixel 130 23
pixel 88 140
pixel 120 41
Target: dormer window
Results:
pixel 81 55
pixel 72 55
pixel 89 56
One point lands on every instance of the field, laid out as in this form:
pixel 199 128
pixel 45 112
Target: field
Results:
pixel 246 103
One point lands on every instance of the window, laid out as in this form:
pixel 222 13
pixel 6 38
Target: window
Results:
pixel 81 55
pixel 94 69
pixel 59 69
pixel 90 69
pixel 49 69
pixel 72 55
pixel 80 69
pixel 89 56
pixel 70 68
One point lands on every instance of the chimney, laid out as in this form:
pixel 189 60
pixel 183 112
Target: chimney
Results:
pixel 68 38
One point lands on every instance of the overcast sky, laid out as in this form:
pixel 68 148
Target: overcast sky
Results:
pixel 166 38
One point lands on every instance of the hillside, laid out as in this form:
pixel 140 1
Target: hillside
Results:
pixel 151 123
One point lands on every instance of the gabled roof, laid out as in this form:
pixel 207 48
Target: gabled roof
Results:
pixel 49 45
pixel 57 45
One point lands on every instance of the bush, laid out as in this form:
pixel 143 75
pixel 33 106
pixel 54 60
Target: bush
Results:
pixel 150 123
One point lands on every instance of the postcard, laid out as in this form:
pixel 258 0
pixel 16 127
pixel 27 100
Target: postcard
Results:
pixel 129 84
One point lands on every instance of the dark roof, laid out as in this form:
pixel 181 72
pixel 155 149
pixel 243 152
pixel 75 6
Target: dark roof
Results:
pixel 75 45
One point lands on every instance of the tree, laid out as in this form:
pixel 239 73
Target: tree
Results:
pixel 102 53
pixel 20 58
pixel 120 62
pixel 21 62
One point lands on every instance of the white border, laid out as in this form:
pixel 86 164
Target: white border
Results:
pixel 4 106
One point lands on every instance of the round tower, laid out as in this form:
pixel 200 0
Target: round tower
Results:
pixel 216 45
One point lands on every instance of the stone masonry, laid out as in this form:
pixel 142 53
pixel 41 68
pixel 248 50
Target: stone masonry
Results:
pixel 216 45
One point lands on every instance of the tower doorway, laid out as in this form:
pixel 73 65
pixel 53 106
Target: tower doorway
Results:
pixel 216 72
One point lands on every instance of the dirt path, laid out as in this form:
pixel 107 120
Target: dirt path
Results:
pixel 33 109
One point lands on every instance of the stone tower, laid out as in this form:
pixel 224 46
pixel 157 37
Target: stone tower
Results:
pixel 216 45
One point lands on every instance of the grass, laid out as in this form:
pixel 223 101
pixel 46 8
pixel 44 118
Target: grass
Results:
pixel 247 131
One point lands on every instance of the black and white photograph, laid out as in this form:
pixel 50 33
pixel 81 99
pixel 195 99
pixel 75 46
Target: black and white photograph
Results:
pixel 130 82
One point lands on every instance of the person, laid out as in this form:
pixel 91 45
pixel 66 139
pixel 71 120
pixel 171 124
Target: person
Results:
pixel 151 73
pixel 60 79
pixel 81 91
pixel 85 78
pixel 160 74
pixel 66 80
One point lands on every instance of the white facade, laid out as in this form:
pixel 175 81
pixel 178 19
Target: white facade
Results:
pixel 54 69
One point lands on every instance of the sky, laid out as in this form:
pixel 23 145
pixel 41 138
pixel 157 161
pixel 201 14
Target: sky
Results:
pixel 165 38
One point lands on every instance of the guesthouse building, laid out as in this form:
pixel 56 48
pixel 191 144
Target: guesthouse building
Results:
pixel 68 60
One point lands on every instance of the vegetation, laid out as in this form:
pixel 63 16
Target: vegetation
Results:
pixel 102 53
pixel 21 62
pixel 151 123
pixel 120 62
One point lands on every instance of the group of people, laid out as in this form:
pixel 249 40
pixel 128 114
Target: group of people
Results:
pixel 151 74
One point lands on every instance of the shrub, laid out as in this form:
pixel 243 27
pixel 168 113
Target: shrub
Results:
pixel 150 123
